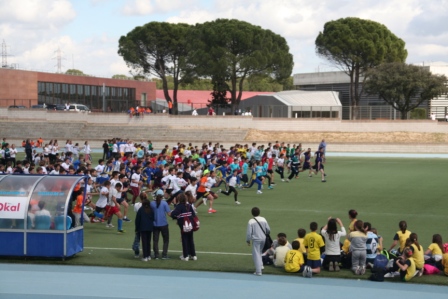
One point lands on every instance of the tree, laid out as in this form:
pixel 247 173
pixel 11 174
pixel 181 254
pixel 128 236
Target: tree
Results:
pixel 404 86
pixel 75 72
pixel 235 50
pixel 355 45
pixel 121 77
pixel 158 49
pixel 219 94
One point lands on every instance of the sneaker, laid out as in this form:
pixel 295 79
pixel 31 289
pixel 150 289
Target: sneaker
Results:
pixel 258 274
pixel 287 180
pixel 145 259
pixel 219 190
pixel 121 231
pixel 357 270
pixel 324 181
pixel 210 211
pixel 110 225
pixel 363 270
pixel 310 176
pixel 194 258
pixel 420 272
pixel 331 267
pixel 283 180
pixel 259 192
pixel 270 187
pixel 136 256
pixel 127 219
pixel 184 258
pixel 165 258
pixel 390 264
pixel 392 274
pixel 336 267
pixel 310 273
pixel 237 203
pixel 92 220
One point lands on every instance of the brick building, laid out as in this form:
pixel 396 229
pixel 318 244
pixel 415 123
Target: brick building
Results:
pixel 27 88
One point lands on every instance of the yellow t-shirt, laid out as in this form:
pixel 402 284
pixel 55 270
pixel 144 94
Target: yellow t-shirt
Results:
pixel 410 271
pixel 351 226
pixel 402 238
pixel 302 247
pixel 445 263
pixel 435 249
pixel 313 242
pixel 346 246
pixel 293 261
pixel 418 256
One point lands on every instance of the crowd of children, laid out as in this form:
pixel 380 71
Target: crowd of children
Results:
pixel 184 176
pixel 361 250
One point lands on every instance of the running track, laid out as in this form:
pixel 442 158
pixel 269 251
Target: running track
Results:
pixel 46 281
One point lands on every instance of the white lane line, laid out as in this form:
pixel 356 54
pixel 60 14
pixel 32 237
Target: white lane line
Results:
pixel 206 252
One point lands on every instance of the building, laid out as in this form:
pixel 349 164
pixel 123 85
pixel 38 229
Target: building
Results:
pixel 371 106
pixel 28 88
pixel 295 104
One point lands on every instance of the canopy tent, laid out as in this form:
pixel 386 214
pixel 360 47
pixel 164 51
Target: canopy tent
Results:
pixel 33 216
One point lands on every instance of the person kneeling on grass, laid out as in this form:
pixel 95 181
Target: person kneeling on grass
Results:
pixel 313 242
pixel 294 262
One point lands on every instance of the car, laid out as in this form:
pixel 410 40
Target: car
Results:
pixel 16 107
pixel 79 108
pixel 39 106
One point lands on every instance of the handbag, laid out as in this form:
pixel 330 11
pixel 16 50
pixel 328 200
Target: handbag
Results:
pixel 268 240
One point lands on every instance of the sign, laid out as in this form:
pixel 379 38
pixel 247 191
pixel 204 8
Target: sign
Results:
pixel 13 207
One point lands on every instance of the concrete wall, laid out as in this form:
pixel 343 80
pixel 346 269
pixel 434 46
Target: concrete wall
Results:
pixel 220 122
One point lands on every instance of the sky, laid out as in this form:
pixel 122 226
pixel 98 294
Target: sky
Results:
pixel 87 31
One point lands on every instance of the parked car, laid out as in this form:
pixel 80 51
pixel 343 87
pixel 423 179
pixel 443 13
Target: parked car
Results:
pixel 39 106
pixel 16 107
pixel 79 108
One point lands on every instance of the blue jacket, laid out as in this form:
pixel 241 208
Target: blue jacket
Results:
pixel 144 222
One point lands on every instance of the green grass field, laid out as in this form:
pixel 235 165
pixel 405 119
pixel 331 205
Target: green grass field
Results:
pixel 382 190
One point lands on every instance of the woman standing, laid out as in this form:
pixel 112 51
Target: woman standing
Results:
pixel 87 151
pixel 332 248
pixel 182 211
pixel 161 209
pixel 144 224
pixel 28 151
pixel 13 153
pixel 257 228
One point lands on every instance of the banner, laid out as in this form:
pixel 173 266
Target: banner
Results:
pixel 13 207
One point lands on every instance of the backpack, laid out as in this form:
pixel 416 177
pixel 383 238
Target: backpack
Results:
pixel 187 226
pixel 377 274
pixel 380 262
pixel 196 223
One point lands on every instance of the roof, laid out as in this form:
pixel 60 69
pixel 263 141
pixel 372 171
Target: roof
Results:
pixel 308 98
pixel 199 98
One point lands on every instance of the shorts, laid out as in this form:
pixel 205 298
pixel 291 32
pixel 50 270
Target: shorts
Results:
pixel 306 165
pixel 270 171
pixel 168 191
pixel 120 200
pixel 135 191
pixel 99 209
pixel 200 195
pixel 314 264
pixel 111 210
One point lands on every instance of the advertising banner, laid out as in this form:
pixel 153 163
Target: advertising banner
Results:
pixel 13 207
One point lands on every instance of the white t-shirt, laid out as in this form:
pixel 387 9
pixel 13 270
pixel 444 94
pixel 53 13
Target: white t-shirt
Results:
pixel 192 189
pixel 113 193
pixel 102 200
pixel 12 152
pixel 332 247
pixel 137 206
pixel 280 253
pixel 280 162
pixel 135 177
pixel 209 184
pixel 122 146
pixel 100 169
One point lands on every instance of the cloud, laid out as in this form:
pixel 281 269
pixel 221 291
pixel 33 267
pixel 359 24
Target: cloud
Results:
pixel 147 7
